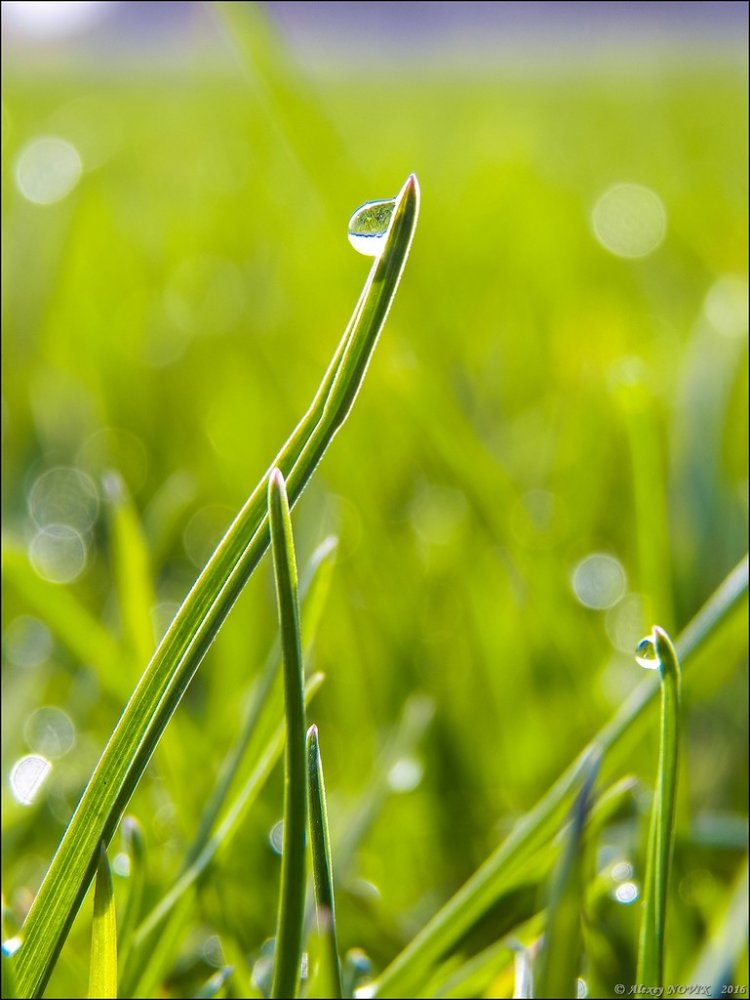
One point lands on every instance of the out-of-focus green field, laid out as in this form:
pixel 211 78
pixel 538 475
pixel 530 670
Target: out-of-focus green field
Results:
pixel 535 399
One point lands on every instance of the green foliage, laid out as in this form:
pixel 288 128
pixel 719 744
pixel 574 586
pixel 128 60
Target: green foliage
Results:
pixel 103 971
pixel 536 399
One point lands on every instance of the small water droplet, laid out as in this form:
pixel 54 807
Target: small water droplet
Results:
pixel 626 893
pixel 369 225
pixel 645 654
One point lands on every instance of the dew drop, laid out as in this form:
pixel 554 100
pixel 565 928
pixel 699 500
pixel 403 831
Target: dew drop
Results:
pixel 369 225
pixel 645 654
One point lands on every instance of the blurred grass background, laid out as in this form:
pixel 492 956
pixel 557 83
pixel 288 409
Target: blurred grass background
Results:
pixel 536 399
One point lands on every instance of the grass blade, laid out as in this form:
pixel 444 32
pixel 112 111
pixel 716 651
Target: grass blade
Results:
pixel 197 622
pixel 288 952
pixel 661 831
pixel 176 902
pixel 132 570
pixel 103 973
pixel 320 842
pixel 560 958
pixel 453 920
pixel 132 836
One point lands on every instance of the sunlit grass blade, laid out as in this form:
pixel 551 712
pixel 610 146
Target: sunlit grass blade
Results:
pixel 131 569
pixel 314 588
pixel 330 976
pixel 657 651
pixel 103 972
pixel 726 942
pixel 197 622
pixel 557 968
pixel 135 850
pixel 175 904
pixel 288 951
pixel 460 912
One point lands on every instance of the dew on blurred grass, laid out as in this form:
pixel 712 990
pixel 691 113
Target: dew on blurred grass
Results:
pixel 64 496
pixel 27 642
pixel 625 623
pixel 276 837
pixel 27 776
pixel 626 892
pixel 405 775
pixel 726 306
pixel 11 946
pixel 629 220
pixel 599 581
pixel 121 864
pixel 49 731
pixel 622 871
pixel 58 553
pixel 582 989
pixel 211 952
pixel 47 169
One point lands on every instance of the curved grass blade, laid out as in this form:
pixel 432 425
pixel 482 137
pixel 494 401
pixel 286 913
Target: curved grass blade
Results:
pixel 560 958
pixel 288 951
pixel 197 622
pixel 103 973
pixel 452 921
pixel 320 843
pixel 661 830
pixel 135 849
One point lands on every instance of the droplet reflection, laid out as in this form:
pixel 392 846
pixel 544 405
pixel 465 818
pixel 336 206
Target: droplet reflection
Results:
pixel 599 581
pixel 629 220
pixel 47 169
pixel 368 226
pixel 27 777
pixel 58 553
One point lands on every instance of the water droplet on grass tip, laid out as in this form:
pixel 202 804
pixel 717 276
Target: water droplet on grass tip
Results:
pixel 369 225
pixel 645 654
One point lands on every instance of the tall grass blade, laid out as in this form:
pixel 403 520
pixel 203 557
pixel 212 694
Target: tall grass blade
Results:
pixel 132 570
pixel 135 849
pixel 175 904
pixel 202 613
pixel 651 947
pixel 320 843
pixel 453 920
pixel 560 957
pixel 288 951
pixel 103 973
